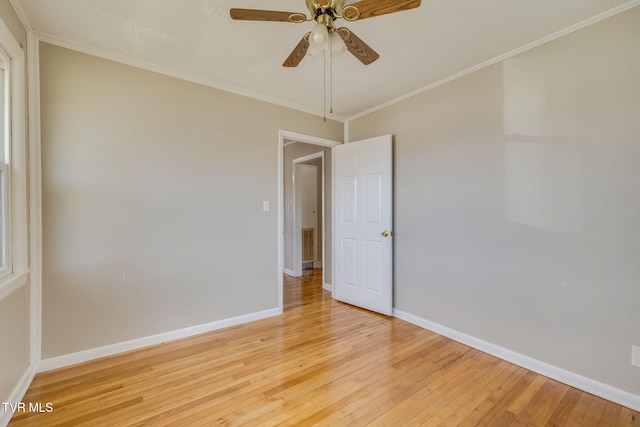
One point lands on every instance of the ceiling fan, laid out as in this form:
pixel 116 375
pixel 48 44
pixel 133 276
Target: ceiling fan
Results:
pixel 325 13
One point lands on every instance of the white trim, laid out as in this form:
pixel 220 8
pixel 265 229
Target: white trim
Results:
pixel 289 272
pixel 308 139
pixel 312 156
pixel 110 350
pixel 18 160
pixel 333 221
pixel 572 379
pixel 134 62
pixel 327 287
pixel 345 130
pixel 6 244
pixel 17 394
pixel 35 194
pixel 500 58
pixel 281 269
pixel 19 212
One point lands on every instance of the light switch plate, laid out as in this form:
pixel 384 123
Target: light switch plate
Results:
pixel 635 355
pixel 266 206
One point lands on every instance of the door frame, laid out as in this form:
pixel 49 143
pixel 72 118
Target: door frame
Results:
pixel 297 223
pixel 283 137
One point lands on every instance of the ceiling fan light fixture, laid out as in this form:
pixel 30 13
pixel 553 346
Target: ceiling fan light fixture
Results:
pixel 319 36
pixel 337 45
pixel 315 53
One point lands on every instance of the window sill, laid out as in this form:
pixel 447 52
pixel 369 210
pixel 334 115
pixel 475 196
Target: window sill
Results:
pixel 12 283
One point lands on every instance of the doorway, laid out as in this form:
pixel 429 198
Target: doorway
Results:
pixel 308 245
pixel 294 146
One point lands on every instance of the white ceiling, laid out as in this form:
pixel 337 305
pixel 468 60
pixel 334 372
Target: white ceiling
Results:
pixel 197 40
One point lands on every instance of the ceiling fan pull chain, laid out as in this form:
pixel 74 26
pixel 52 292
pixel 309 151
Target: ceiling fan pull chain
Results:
pixel 324 85
pixel 330 55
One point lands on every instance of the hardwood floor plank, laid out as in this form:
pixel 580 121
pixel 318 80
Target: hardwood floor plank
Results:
pixel 595 411
pixel 501 406
pixel 464 403
pixel 498 395
pixel 365 404
pixel 320 363
pixel 610 414
pixel 401 388
pixel 424 393
pixel 527 395
pixel 579 411
pixel 549 404
pixel 537 402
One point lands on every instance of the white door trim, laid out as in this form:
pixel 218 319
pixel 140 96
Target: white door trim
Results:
pixel 284 136
pixel 297 226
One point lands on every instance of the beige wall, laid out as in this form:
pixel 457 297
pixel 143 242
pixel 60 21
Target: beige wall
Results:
pixel 14 308
pixel 152 201
pixel 14 351
pixel 517 201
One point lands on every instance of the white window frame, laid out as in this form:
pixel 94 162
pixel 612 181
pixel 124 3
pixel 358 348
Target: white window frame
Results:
pixel 6 268
pixel 5 220
pixel 15 165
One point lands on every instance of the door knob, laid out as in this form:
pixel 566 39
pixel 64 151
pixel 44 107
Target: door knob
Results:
pixel 385 233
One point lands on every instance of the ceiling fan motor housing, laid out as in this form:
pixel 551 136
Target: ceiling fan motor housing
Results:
pixel 324 11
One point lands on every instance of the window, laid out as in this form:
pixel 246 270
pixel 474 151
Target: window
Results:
pixel 5 168
pixel 14 212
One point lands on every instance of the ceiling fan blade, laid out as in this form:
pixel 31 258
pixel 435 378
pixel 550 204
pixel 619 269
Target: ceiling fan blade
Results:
pixel 298 52
pixel 357 47
pixel 371 8
pixel 263 15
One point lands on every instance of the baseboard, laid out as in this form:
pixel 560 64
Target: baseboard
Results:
pixel 110 350
pixel 572 379
pixel 289 272
pixel 17 394
pixel 327 287
pixel 317 264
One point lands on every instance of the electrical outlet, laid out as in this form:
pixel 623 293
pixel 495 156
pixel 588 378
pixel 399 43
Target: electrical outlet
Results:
pixel 635 355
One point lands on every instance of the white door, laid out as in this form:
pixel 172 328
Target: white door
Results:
pixel 363 249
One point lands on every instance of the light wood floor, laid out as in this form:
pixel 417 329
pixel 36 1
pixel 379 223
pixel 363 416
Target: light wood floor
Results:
pixel 321 362
pixel 312 276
